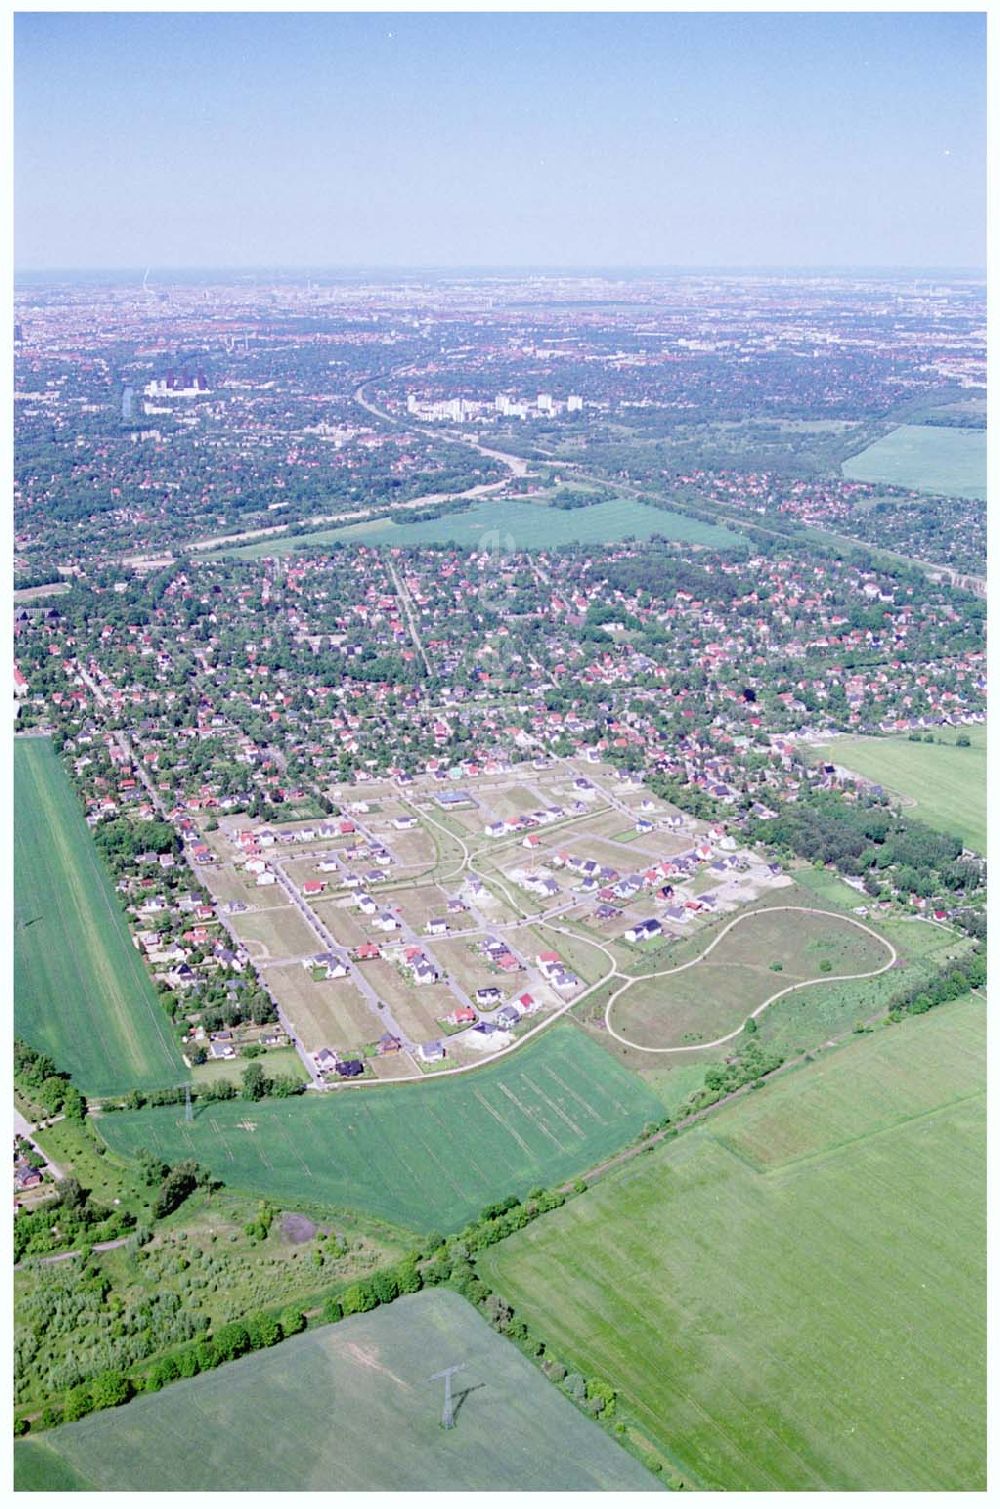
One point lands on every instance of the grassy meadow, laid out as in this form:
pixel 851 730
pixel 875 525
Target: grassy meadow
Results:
pixel 508 525
pixel 940 784
pixel 791 1296
pixel 427 1156
pixel 81 992
pixel 925 458
pixel 715 996
pixel 346 1407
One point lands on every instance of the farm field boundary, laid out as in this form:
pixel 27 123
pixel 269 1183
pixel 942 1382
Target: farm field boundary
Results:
pixel 942 785
pixel 519 525
pixel 927 458
pixel 348 1405
pixel 765 1326
pixel 424 1156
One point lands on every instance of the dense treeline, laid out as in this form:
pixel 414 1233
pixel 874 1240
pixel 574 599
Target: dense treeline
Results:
pixel 44 1085
pixel 121 840
pixel 661 573
pixel 870 841
pixel 578 497
pixel 948 984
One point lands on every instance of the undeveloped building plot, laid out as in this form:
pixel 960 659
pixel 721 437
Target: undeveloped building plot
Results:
pixel 471 968
pixel 323 1013
pixel 515 801
pixel 418 1009
pixel 346 923
pixel 486 891
pixel 415 846
pixel 280 932
pixel 420 905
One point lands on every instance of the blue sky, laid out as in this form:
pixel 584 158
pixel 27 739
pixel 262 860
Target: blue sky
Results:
pixel 408 139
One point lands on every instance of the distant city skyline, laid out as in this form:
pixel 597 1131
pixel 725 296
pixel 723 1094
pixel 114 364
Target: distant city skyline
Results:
pixel 642 142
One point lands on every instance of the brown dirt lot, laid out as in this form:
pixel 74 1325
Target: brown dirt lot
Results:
pixel 325 1013
pixel 280 933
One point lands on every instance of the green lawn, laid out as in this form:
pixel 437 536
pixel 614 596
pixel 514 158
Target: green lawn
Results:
pixel 347 1407
pixel 792 1295
pixel 273 1061
pixel 81 992
pixel 511 525
pixel 926 458
pixel 946 785
pixel 426 1156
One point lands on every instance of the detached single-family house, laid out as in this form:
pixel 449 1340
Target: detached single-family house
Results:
pixel 334 967
pixel 642 930
pixel 462 1016
pixel 431 1053
pixel 487 1038
pixel 26 1176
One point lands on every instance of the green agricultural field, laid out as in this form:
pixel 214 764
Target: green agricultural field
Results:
pixel 347 1407
pixel 926 458
pixel 709 999
pixel 81 992
pixel 792 1295
pixel 511 525
pixel 940 784
pixel 426 1156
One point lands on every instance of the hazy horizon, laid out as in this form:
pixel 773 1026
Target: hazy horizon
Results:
pixel 564 141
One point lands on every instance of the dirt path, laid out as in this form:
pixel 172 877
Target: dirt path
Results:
pixel 788 989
